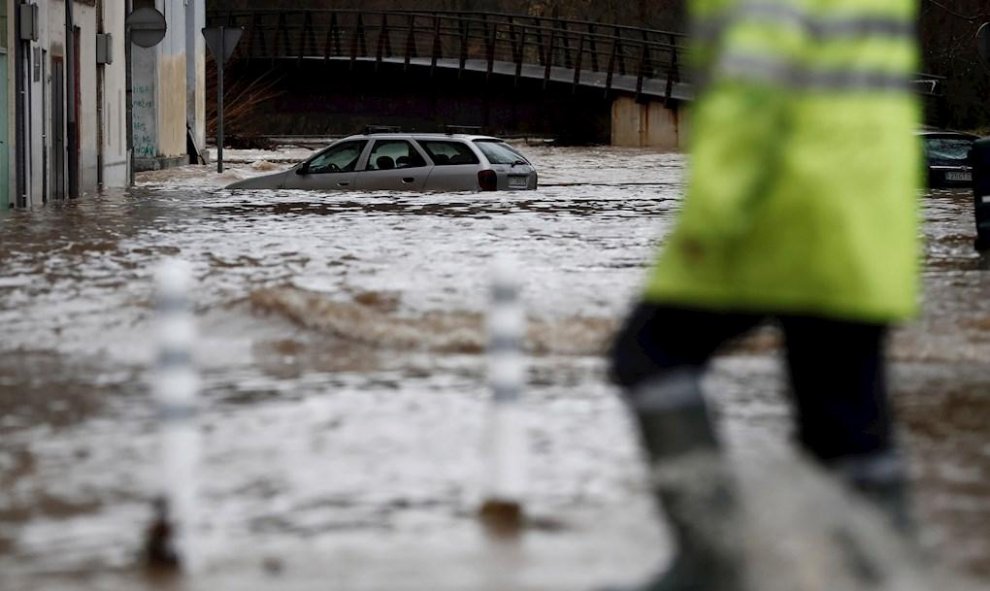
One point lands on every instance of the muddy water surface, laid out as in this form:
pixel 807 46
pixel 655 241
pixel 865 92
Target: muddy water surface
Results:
pixel 344 396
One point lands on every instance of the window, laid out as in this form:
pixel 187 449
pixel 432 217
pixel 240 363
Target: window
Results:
pixel 339 158
pixel 392 154
pixel 943 148
pixel 499 152
pixel 448 153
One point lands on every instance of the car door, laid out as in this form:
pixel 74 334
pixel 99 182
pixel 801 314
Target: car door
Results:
pixel 332 169
pixel 455 165
pixel 393 165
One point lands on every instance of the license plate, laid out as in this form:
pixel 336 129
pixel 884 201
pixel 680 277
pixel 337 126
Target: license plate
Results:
pixel 518 182
pixel 959 176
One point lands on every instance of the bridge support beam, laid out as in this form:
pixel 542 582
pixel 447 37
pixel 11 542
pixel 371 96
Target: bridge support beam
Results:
pixel 646 125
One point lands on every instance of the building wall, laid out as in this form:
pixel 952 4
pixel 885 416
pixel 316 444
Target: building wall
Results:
pixel 44 144
pixel 172 106
pixel 144 99
pixel 159 102
pixel 196 71
pixel 172 72
pixel 114 120
pixel 650 124
pixel 85 20
pixel 40 134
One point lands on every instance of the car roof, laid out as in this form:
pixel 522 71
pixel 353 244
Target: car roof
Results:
pixel 946 133
pixel 413 135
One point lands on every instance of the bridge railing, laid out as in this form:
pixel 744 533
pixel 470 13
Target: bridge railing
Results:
pixel 579 50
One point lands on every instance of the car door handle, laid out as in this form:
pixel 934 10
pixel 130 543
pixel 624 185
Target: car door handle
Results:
pixel 344 184
pixel 408 179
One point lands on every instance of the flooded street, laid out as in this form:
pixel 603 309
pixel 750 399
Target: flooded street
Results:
pixel 344 392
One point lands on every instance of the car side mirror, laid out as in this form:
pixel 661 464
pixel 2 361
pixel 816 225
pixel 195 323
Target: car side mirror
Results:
pixel 303 168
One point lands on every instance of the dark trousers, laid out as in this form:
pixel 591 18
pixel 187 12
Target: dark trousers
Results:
pixel 836 369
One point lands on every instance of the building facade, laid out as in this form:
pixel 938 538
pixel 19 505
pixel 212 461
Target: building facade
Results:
pixel 67 101
pixel 164 117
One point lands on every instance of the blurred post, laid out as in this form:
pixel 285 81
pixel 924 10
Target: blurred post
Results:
pixel 502 508
pixel 170 542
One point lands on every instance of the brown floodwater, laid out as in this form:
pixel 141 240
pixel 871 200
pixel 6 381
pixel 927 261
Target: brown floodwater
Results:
pixel 343 396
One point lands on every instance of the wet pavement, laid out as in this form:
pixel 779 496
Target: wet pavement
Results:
pixel 344 396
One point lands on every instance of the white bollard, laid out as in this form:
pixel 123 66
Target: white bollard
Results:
pixel 171 543
pixel 506 444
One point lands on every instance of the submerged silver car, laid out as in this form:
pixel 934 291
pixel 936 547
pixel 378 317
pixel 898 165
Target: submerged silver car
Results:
pixel 406 162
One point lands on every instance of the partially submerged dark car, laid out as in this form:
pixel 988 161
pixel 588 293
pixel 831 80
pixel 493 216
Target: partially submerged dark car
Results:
pixel 947 158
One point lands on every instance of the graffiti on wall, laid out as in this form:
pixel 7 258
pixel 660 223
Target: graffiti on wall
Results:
pixel 144 115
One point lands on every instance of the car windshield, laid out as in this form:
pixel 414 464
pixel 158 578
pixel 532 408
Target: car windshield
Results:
pixel 500 153
pixel 946 148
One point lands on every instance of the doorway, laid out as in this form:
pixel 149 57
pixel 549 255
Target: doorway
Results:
pixel 57 160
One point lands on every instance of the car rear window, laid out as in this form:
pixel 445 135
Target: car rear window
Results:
pixel 448 153
pixel 499 152
pixel 945 148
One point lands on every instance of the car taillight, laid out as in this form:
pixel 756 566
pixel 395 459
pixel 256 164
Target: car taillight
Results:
pixel 487 180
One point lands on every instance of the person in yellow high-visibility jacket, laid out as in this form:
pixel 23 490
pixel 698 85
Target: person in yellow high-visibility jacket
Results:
pixel 800 208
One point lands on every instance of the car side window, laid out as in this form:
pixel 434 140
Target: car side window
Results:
pixel 394 154
pixel 340 158
pixel 445 153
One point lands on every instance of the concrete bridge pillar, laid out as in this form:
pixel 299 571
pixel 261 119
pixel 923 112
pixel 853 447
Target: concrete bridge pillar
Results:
pixel 646 125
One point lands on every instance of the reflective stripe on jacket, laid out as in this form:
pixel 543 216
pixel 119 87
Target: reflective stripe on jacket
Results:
pixel 804 167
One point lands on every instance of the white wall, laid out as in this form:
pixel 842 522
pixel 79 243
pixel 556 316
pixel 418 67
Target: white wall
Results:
pixel 84 17
pixel 159 96
pixel 172 77
pixel 115 99
pixel 50 45
pixel 196 70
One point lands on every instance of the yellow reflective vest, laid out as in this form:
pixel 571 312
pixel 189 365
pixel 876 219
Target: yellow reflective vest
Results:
pixel 804 168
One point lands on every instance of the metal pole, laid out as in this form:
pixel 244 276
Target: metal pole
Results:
pixel 219 57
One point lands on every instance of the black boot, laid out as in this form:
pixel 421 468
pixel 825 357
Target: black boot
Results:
pixel 881 479
pixel 691 483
